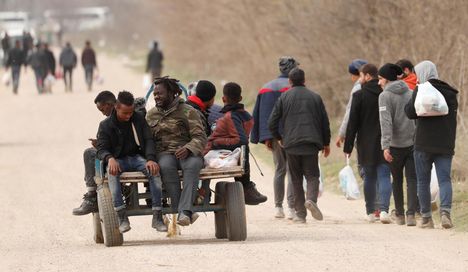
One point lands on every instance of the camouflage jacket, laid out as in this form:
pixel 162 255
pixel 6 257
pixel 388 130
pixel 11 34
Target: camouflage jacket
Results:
pixel 179 126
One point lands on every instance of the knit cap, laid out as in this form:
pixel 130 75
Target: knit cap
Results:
pixel 390 71
pixel 355 65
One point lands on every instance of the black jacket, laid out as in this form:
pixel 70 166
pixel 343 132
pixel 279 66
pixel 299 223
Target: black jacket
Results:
pixel 364 123
pixel 154 60
pixel 436 134
pixel 50 61
pixel 305 119
pixel 16 57
pixel 203 116
pixel 110 138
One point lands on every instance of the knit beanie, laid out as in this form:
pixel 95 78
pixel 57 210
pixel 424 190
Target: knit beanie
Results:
pixel 355 65
pixel 390 71
pixel 205 90
pixel 286 64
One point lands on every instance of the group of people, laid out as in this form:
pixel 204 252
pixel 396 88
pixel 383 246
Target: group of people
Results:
pixel 43 63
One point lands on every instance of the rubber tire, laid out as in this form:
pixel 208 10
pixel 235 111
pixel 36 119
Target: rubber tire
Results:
pixel 220 217
pixel 236 223
pixel 98 238
pixel 110 224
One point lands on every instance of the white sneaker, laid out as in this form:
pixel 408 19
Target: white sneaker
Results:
pixel 385 218
pixel 279 212
pixel 371 218
pixel 291 213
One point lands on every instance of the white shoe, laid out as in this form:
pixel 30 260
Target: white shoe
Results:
pixel 291 213
pixel 279 212
pixel 385 218
pixel 371 218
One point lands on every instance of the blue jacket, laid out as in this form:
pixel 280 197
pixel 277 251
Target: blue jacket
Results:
pixel 266 100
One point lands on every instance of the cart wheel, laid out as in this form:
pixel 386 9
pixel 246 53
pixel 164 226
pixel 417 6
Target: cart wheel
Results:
pixel 236 225
pixel 220 216
pixel 110 224
pixel 97 229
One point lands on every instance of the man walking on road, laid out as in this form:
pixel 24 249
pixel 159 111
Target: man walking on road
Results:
pixel 264 104
pixel 88 60
pixel 5 46
pixel 154 61
pixel 68 62
pixel 37 60
pixel 16 58
pixel 306 132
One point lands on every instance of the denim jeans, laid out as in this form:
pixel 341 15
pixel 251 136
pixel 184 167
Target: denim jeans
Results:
pixel 281 169
pixel 89 69
pixel 89 158
pixel 134 163
pixel 377 176
pixel 39 73
pixel 15 76
pixel 443 165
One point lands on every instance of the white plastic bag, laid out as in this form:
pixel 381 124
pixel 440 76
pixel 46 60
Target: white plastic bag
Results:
pixel 6 79
pixel 348 183
pixel 48 82
pixel 321 189
pixel 434 185
pixel 222 158
pixel 429 101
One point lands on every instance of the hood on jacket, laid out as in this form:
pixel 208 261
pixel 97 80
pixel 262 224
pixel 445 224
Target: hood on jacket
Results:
pixel 426 70
pixel 396 87
pixel 372 86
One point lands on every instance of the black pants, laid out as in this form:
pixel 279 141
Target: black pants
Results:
pixel 304 166
pixel 245 179
pixel 403 160
pixel 67 77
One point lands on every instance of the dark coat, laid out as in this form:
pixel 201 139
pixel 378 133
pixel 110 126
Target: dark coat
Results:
pixel 436 134
pixel 16 57
pixel 154 61
pixel 50 61
pixel 88 57
pixel 305 119
pixel 110 138
pixel 196 104
pixel 365 124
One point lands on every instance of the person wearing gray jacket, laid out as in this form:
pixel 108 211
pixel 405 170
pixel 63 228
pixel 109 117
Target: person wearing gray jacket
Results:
pixel 68 62
pixel 397 140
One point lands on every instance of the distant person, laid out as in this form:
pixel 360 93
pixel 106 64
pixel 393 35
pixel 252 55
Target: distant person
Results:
pixel 397 141
pixel 363 129
pixel 15 58
pixel 88 60
pixel 50 60
pixel 154 61
pixel 105 102
pixel 68 62
pixel 6 46
pixel 408 75
pixel 232 131
pixel 38 62
pixel 28 43
pixel 434 144
pixel 306 132
pixel 264 104
pixel 125 143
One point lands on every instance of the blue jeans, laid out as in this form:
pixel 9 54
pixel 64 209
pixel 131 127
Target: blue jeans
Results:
pixel 89 69
pixel 134 163
pixel 443 165
pixel 377 176
pixel 15 75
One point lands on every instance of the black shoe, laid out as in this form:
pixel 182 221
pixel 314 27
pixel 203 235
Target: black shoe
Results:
pixel 89 204
pixel 158 222
pixel 252 196
pixel 124 223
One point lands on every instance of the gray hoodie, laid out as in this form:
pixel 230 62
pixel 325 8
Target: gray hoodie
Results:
pixel 397 129
pixel 426 70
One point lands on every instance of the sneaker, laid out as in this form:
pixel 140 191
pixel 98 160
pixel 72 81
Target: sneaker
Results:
pixel 194 217
pixel 299 220
pixel 279 212
pixel 427 223
pixel 385 218
pixel 89 204
pixel 314 210
pixel 399 219
pixel 291 213
pixel 371 218
pixel 183 219
pixel 158 222
pixel 410 220
pixel 124 223
pixel 253 196
pixel 445 220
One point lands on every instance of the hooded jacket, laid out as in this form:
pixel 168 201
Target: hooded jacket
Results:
pixel 364 125
pixel 411 80
pixel 397 129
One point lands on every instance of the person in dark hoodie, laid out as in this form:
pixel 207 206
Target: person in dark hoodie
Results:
pixel 68 62
pixel 37 60
pixel 203 99
pixel 364 125
pixel 434 144
pixel 15 59
pixel 50 60
pixel 88 60
pixel 397 141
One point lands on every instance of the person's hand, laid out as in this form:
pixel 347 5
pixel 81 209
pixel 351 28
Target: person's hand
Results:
pixel 114 167
pixel 182 153
pixel 153 168
pixel 339 141
pixel 93 142
pixel 387 155
pixel 269 144
pixel 347 155
pixel 326 151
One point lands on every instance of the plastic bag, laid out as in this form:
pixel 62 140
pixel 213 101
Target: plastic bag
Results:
pixel 6 79
pixel 429 101
pixel 99 79
pixel 222 158
pixel 321 189
pixel 48 82
pixel 434 185
pixel 348 183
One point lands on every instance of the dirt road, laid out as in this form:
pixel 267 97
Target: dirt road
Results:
pixel 41 179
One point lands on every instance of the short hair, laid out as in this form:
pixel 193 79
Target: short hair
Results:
pixel 232 91
pixel 126 98
pixel 297 77
pixel 171 85
pixel 105 97
pixel 404 63
pixel 370 69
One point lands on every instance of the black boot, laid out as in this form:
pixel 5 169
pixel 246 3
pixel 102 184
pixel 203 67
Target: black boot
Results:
pixel 124 224
pixel 158 222
pixel 89 204
pixel 252 196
